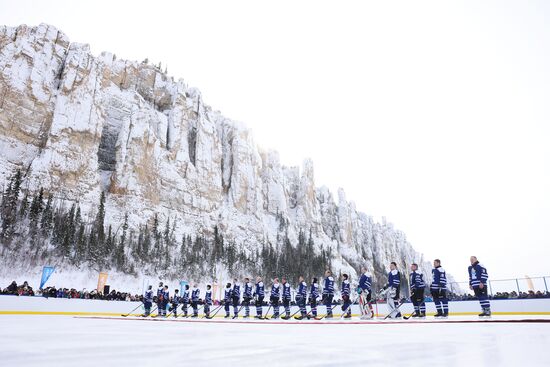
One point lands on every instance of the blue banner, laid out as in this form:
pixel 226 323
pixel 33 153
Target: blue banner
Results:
pixel 46 272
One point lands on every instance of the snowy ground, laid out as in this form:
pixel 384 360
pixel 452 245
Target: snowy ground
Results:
pixel 68 341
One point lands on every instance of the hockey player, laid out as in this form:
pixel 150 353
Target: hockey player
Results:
pixel 207 300
pixel 301 295
pixel 236 297
pixel 165 300
pixel 195 294
pixel 185 300
pixel 247 297
pixel 478 283
pixel 438 288
pixel 274 297
pixel 392 288
pixel 365 293
pixel 259 294
pixel 313 295
pixel 227 299
pixel 286 298
pixel 148 301
pixel 345 290
pixel 175 302
pixel 160 299
pixel 416 281
pixel 328 293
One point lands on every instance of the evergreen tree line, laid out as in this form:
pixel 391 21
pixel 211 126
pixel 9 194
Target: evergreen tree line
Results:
pixel 41 228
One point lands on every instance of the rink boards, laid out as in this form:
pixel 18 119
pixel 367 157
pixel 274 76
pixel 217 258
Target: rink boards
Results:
pixel 80 307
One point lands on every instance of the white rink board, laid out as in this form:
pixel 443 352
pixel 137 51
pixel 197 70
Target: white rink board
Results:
pixel 14 304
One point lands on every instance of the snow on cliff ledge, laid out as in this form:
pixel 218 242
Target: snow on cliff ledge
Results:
pixel 80 124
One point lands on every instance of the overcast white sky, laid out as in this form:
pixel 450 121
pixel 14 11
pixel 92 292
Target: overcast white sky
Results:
pixel 434 114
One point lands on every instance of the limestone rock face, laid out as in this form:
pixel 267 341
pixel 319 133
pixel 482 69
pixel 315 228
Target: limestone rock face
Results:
pixel 79 124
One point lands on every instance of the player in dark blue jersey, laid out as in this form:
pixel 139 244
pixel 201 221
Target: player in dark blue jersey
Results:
pixel 247 296
pixel 227 299
pixel 185 300
pixel 392 295
pixel 365 292
pixel 345 290
pixel 176 299
pixel 207 300
pixel 259 294
pixel 416 282
pixel 438 288
pixel 301 295
pixel 287 298
pixel 148 301
pixel 313 296
pixel 478 283
pixel 165 300
pixel 160 299
pixel 236 297
pixel 195 295
pixel 328 293
pixel 274 297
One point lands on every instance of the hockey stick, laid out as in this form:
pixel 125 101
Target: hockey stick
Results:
pixel 265 317
pixel 325 315
pixel 216 312
pixel 238 311
pixel 153 310
pixel 295 313
pixel 401 303
pixel 199 310
pixel 349 307
pixel 129 313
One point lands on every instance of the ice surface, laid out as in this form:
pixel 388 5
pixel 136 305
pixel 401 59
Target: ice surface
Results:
pixel 67 341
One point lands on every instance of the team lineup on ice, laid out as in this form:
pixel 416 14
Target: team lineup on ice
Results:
pixel 255 294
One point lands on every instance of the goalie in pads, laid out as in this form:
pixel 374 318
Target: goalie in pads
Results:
pixel 364 291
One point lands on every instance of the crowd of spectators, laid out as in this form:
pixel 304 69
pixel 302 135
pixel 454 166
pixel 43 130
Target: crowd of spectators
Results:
pixel 53 292
pixel 26 290
pixel 502 295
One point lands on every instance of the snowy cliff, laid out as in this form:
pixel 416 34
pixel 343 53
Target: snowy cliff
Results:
pixel 79 125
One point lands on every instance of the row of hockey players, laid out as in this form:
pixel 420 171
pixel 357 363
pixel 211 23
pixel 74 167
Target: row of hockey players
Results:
pixel 477 275
pixel 281 293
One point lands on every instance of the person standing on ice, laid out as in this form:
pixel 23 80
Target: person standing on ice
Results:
pixel 313 295
pixel 274 298
pixel 478 283
pixel 160 298
pixel 417 284
pixel 438 288
pixel 165 299
pixel 345 290
pixel 287 297
pixel 247 297
pixel 227 299
pixel 195 294
pixel 185 300
pixel 208 300
pixel 392 295
pixel 301 295
pixel 236 297
pixel 148 301
pixel 364 290
pixel 259 294
pixel 175 302
pixel 328 293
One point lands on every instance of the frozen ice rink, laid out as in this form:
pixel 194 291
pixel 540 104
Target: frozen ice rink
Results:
pixel 27 340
